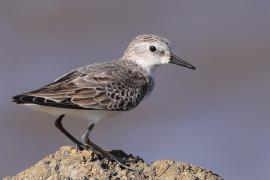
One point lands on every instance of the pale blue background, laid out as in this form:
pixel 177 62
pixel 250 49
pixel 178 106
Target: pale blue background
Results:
pixel 216 117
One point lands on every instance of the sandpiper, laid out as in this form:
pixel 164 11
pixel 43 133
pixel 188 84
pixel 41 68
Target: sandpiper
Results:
pixel 100 90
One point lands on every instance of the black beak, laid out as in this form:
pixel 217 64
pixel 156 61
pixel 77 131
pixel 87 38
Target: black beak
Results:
pixel 178 61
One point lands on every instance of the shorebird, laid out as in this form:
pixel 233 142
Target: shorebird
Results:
pixel 101 90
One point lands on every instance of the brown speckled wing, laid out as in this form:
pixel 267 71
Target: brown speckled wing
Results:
pixel 106 86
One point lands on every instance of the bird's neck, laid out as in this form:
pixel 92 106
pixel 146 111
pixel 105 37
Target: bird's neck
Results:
pixel 148 66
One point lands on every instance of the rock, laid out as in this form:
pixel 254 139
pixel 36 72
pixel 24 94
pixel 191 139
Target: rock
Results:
pixel 71 164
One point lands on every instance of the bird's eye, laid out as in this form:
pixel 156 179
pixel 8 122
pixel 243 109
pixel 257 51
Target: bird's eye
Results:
pixel 152 48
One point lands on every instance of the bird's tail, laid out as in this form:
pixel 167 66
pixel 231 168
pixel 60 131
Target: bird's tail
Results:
pixel 21 99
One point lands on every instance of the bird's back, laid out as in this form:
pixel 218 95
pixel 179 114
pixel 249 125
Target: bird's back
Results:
pixel 115 85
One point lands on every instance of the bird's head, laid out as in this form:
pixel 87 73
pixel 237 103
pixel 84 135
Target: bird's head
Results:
pixel 150 51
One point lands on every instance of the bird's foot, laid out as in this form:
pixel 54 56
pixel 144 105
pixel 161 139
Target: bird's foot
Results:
pixel 81 147
pixel 129 161
pixel 121 162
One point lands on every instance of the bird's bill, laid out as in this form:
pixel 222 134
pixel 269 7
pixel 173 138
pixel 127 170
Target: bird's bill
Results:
pixel 179 61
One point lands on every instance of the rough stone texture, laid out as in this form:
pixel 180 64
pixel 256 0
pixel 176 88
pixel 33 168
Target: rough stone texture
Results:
pixel 71 164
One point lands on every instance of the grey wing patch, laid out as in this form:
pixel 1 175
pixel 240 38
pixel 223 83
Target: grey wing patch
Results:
pixel 97 86
pixel 115 89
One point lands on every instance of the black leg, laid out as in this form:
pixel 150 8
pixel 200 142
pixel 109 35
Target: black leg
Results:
pixel 58 124
pixel 101 151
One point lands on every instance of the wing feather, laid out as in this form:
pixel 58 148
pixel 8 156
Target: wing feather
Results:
pixel 104 86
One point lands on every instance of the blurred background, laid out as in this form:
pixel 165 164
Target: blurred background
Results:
pixel 216 117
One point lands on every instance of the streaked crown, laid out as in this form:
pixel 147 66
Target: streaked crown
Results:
pixel 149 51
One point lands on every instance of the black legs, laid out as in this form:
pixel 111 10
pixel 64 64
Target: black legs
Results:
pixel 88 143
pixel 58 124
pixel 85 136
pixel 99 150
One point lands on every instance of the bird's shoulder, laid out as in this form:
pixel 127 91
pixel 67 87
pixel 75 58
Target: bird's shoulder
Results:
pixel 100 74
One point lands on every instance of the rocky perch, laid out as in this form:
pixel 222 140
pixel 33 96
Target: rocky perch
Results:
pixel 70 164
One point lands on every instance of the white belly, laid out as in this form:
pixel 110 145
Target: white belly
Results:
pixel 93 115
